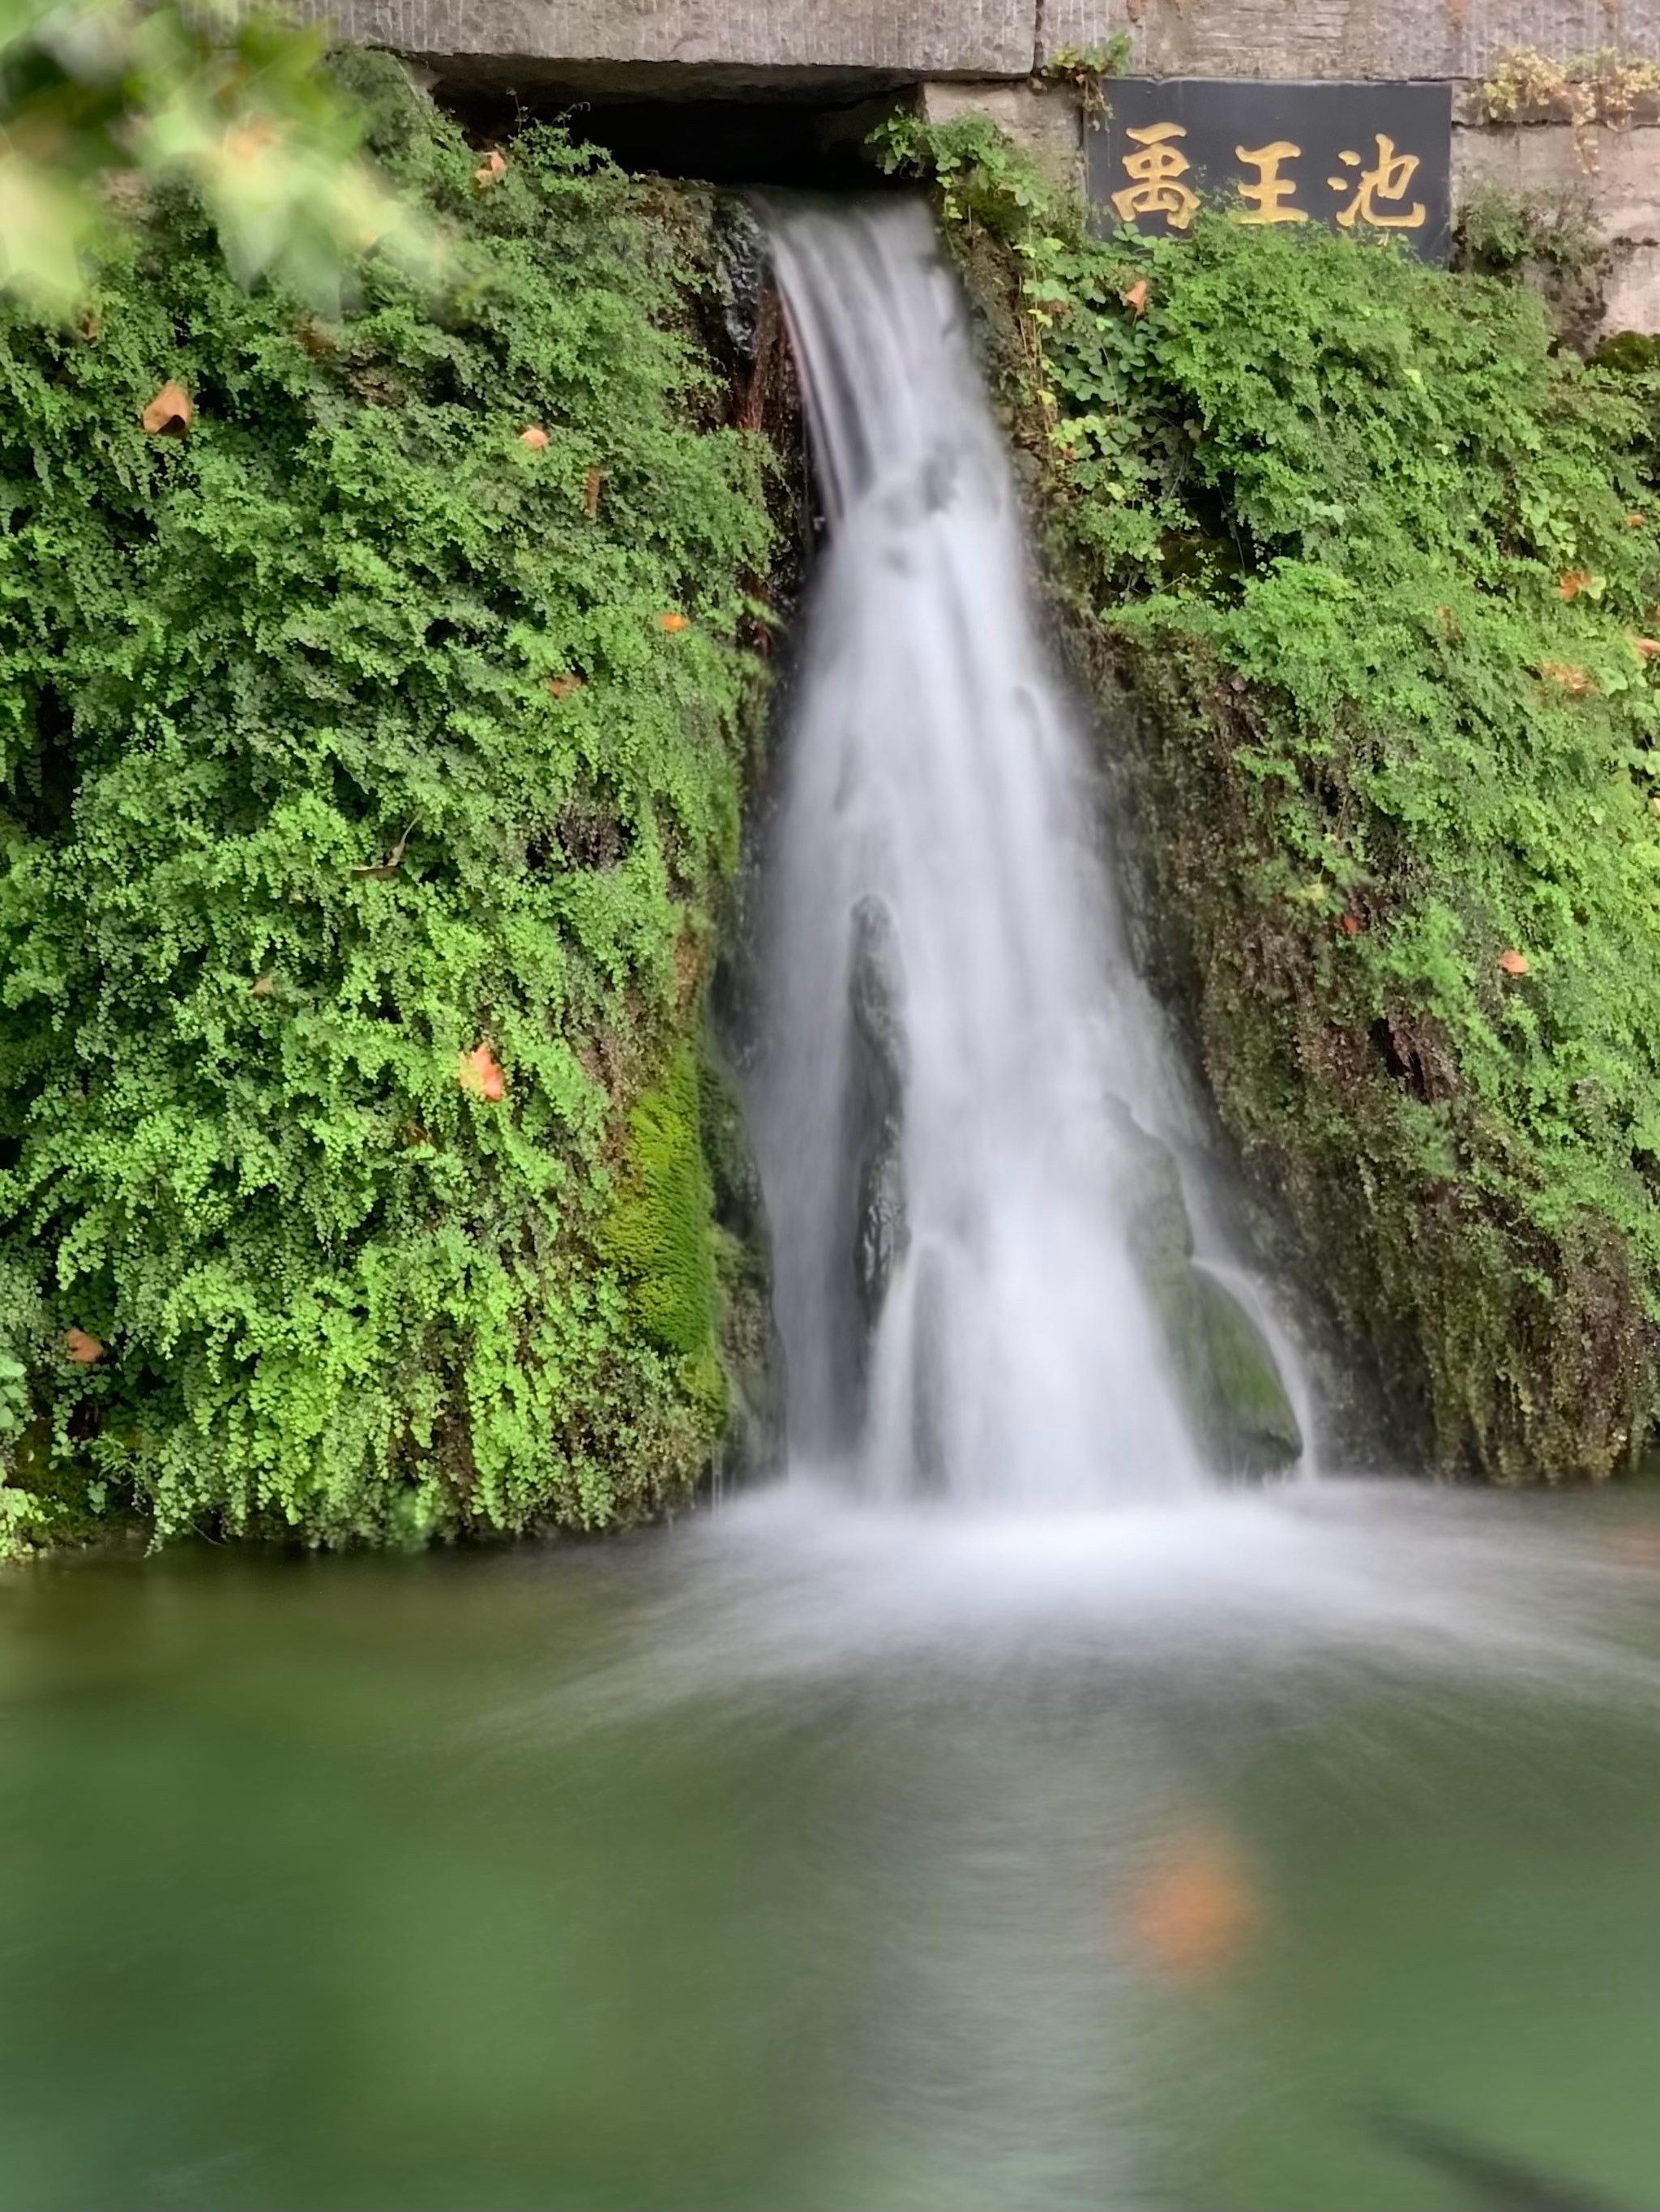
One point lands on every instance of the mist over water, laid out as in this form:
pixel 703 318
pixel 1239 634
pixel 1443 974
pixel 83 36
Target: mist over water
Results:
pixel 938 850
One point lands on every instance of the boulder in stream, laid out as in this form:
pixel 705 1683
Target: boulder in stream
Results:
pixel 1227 1379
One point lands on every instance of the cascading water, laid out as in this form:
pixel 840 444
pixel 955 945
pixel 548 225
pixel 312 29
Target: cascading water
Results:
pixel 958 1079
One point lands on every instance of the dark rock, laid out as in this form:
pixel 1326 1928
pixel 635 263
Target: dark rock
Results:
pixel 751 1352
pixel 741 264
pixel 928 1377
pixel 876 1000
pixel 881 1238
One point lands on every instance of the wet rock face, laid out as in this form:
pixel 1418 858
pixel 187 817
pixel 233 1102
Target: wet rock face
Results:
pixel 1227 1377
pixel 876 1002
pixel 741 272
pixel 751 1355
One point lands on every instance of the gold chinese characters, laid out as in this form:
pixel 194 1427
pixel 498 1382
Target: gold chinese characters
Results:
pixel 1156 168
pixel 1271 195
pixel 1388 181
pixel 1158 171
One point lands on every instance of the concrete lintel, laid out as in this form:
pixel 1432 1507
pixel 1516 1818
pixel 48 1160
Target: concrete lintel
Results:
pixel 908 38
pixel 551 80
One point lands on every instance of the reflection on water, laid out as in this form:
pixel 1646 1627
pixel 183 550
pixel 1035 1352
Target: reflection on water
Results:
pixel 1248 1852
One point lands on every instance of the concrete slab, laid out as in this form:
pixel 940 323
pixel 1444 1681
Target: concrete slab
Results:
pixel 909 38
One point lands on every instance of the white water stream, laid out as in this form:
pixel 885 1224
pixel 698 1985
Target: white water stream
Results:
pixel 938 808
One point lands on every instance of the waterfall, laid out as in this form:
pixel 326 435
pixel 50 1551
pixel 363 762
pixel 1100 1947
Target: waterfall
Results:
pixel 960 1085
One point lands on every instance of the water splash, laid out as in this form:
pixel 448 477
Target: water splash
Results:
pixel 958 1068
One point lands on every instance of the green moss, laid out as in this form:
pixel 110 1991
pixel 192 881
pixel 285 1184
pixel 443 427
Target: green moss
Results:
pixel 658 1233
pixel 1360 564
pixel 338 740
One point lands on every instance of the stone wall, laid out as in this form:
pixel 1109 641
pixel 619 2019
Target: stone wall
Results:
pixel 987 51
pixel 1457 39
pixel 1539 160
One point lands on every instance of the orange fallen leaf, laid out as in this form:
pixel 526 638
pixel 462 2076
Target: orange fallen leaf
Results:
pixel 561 686
pixel 168 415
pixel 670 622
pixel 591 484
pixel 492 166
pixel 1350 925
pixel 534 437
pixel 1513 962
pixel 1192 1914
pixel 1573 581
pixel 1566 677
pixel 477 1071
pixel 1136 297
pixel 248 142
pixel 83 1349
pixel 1633 522
pixel 1646 647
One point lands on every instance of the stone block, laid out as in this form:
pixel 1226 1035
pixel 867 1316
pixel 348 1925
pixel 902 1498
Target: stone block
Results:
pixel 1632 301
pixel 1348 38
pixel 1042 119
pixel 1538 162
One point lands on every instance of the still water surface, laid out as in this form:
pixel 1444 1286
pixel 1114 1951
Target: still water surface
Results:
pixel 803 1856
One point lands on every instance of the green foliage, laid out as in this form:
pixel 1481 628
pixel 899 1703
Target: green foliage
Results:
pixel 1551 243
pixel 14 1395
pixel 1085 67
pixel 657 1232
pixel 100 97
pixel 1602 86
pixel 981 182
pixel 1384 563
pixel 1632 362
pixel 339 740
pixel 1500 232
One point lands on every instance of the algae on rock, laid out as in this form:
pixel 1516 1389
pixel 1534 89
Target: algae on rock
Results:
pixel 1227 1379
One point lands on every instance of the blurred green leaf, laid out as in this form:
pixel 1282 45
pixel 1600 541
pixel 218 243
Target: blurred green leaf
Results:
pixel 99 101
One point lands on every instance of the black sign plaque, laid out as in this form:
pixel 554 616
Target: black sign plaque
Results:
pixel 1373 160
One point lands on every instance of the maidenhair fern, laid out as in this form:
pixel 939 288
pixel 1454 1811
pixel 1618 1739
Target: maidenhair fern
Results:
pixel 367 753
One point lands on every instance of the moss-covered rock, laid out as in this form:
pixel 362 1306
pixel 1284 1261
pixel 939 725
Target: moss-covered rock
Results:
pixel 1227 1379
pixel 751 1352
pixel 1231 1385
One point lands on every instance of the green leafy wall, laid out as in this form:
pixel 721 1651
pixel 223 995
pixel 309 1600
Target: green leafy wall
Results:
pixel 1362 566
pixel 365 772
